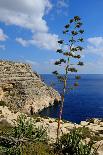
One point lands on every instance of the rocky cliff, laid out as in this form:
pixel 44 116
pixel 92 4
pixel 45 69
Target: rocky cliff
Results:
pixel 22 89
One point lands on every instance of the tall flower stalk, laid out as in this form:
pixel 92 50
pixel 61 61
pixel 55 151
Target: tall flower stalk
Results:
pixel 70 50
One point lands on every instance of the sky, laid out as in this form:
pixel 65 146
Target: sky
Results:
pixel 29 31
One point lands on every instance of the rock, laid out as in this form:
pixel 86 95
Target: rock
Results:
pixel 8 115
pixel 99 146
pixel 23 90
pixel 84 123
pixel 68 125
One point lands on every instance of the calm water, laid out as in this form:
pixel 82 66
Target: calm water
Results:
pixel 84 102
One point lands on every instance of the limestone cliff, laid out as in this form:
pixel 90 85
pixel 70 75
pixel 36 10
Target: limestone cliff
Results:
pixel 22 89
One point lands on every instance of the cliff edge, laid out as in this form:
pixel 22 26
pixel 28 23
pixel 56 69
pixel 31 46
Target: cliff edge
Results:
pixel 21 89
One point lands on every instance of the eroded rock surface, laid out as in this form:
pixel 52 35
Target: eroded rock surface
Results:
pixel 22 89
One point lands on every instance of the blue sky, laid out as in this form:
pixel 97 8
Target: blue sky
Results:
pixel 29 31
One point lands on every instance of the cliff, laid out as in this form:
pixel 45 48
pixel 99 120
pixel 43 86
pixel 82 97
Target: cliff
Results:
pixel 23 90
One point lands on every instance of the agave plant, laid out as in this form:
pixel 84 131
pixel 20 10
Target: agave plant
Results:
pixel 26 129
pixel 72 144
pixel 70 51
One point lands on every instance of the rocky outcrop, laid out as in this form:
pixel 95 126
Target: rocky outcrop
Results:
pixel 91 129
pixel 23 90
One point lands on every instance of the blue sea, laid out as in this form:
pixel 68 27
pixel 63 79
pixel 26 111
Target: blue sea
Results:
pixel 81 103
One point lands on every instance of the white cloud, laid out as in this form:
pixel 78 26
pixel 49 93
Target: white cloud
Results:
pixel 45 40
pixel 42 40
pixel 95 46
pixel 29 14
pixel 24 13
pixel 3 36
pixel 96 41
pixel 22 42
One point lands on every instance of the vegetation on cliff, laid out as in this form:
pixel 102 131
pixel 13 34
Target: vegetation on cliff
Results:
pixel 26 139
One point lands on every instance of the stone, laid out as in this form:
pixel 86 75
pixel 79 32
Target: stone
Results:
pixel 84 123
pixel 99 146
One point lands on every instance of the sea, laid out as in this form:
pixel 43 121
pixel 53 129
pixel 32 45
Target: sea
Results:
pixel 82 102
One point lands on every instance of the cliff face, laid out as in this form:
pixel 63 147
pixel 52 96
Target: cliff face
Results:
pixel 22 89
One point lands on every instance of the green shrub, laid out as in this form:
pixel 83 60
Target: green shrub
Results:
pixel 26 128
pixel 29 138
pixel 2 103
pixel 38 148
pixel 5 128
pixel 38 119
pixel 71 144
pixel 85 132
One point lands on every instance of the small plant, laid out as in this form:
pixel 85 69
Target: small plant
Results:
pixel 20 129
pixel 2 103
pixel 5 128
pixel 86 132
pixel 38 119
pixel 26 128
pixel 50 121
